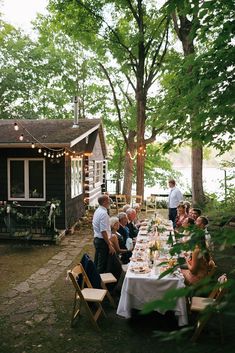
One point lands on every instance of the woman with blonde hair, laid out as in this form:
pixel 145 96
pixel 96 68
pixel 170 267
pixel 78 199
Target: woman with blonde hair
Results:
pixel 181 215
pixel 118 241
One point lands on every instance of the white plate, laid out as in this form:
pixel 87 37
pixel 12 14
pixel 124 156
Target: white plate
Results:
pixel 140 270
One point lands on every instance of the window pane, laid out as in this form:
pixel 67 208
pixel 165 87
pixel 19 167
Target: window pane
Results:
pixel 76 177
pixel 36 179
pixel 17 179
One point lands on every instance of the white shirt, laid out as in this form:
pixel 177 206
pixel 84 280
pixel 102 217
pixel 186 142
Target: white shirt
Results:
pixel 100 222
pixel 209 242
pixel 175 196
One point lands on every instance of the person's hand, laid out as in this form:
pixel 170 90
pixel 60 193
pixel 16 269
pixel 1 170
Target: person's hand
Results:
pixel 189 261
pixel 111 249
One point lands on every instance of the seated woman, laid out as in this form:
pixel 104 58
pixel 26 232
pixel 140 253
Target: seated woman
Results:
pixel 187 206
pixel 199 262
pixel 118 241
pixel 181 216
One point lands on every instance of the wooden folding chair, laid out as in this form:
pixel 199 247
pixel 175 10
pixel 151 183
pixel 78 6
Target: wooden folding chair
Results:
pixel 120 200
pixel 106 279
pixel 151 204
pixel 98 280
pixel 136 199
pixel 200 304
pixel 85 296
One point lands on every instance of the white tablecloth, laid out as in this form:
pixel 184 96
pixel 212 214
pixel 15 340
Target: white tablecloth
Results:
pixel 139 289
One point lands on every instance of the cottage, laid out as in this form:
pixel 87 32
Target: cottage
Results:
pixel 51 161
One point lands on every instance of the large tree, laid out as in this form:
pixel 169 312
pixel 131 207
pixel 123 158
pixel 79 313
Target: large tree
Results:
pixel 129 35
pixel 197 87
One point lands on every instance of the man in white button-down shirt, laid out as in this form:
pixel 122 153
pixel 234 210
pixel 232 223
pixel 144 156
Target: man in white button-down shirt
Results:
pixel 102 234
pixel 175 196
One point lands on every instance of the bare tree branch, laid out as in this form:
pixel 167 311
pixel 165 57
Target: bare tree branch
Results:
pixel 134 13
pixel 116 103
pixel 130 82
pixel 149 43
pixel 152 70
pixel 175 22
pixel 96 15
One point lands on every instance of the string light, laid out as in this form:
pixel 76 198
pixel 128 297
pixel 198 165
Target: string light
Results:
pixel 16 127
pixel 49 152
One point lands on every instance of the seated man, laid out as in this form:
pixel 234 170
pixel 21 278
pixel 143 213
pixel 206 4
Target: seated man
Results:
pixel 195 213
pixel 131 216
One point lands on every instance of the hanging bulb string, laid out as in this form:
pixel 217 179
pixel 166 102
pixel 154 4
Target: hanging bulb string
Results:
pixel 39 142
pixel 66 151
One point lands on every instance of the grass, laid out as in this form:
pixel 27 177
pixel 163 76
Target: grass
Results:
pixel 19 260
pixel 117 335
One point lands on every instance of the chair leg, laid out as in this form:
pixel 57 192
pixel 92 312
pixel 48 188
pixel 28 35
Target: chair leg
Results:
pixel 110 298
pixel 76 311
pixel 93 317
pixel 221 328
pixel 200 326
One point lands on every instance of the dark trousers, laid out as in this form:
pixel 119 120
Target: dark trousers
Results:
pixel 172 215
pixel 101 254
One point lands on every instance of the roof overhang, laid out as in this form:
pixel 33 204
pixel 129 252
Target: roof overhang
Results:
pixel 80 138
pixel 37 145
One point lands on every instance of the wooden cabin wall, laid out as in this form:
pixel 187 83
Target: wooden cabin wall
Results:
pixel 55 187
pixel 75 207
pixel 93 190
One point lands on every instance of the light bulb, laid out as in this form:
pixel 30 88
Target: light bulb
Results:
pixel 16 127
pixel 21 137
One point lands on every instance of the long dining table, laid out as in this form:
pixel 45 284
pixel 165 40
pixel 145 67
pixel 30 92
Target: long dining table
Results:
pixel 142 283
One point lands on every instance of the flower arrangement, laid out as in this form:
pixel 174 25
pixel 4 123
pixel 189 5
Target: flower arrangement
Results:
pixel 155 246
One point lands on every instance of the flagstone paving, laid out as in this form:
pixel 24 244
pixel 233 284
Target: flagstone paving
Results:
pixel 31 301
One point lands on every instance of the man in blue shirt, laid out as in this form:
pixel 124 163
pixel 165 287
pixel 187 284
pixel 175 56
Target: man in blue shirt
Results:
pixel 175 196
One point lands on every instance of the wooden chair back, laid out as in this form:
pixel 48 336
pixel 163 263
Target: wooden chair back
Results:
pixel 120 200
pixel 136 199
pixel 199 304
pixel 84 295
pixel 151 204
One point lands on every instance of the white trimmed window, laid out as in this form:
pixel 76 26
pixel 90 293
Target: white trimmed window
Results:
pixel 76 176
pixel 98 179
pixel 26 179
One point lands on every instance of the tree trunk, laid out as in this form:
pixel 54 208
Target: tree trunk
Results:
pixel 129 164
pixel 140 174
pixel 128 174
pixel 141 118
pixel 185 35
pixel 197 183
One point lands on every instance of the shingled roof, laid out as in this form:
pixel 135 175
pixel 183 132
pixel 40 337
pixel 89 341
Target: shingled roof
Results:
pixel 52 133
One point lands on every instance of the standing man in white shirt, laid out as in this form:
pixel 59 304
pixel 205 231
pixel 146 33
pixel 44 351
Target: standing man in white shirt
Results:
pixel 175 196
pixel 102 234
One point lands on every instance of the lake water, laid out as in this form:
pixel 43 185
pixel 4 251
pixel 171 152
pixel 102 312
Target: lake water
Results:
pixel 212 179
